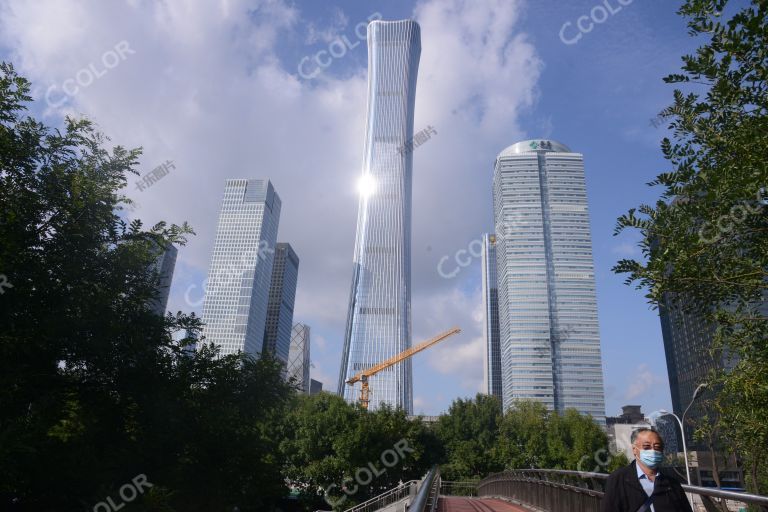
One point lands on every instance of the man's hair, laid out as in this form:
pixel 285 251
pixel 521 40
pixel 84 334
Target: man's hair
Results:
pixel 636 432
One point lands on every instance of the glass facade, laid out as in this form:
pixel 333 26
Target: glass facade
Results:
pixel 236 292
pixel 492 361
pixel 164 266
pixel 379 315
pixel 550 341
pixel 282 296
pixel 298 357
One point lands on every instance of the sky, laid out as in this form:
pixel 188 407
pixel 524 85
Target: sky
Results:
pixel 233 89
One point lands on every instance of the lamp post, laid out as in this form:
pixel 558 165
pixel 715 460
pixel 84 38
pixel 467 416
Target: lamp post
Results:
pixel 663 412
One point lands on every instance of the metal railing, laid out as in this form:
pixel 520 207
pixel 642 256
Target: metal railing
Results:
pixel 385 499
pixel 455 488
pixel 579 491
pixel 426 497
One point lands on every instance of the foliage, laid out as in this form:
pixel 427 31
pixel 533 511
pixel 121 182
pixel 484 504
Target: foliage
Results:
pixel 480 440
pixel 93 388
pixel 329 445
pixel 469 432
pixel 705 239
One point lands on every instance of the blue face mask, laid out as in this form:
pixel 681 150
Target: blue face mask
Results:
pixel 651 458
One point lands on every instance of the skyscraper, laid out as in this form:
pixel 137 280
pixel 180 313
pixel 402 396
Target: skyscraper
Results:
pixel 282 296
pixel 379 315
pixel 688 338
pixel 492 360
pixel 550 341
pixel 236 294
pixel 298 357
pixel 164 265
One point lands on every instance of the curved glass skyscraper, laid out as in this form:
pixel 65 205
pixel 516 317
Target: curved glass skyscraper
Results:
pixel 550 341
pixel 379 317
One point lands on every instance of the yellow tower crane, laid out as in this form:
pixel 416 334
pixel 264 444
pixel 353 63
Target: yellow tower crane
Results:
pixel 364 375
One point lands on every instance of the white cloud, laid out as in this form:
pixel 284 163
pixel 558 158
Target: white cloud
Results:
pixel 206 88
pixel 642 381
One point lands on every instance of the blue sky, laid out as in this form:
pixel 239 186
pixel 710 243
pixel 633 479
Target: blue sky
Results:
pixel 216 87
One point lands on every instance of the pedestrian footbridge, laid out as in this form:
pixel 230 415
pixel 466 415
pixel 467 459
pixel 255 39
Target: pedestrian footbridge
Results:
pixel 532 490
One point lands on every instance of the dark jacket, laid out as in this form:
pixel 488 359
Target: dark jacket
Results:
pixel 623 492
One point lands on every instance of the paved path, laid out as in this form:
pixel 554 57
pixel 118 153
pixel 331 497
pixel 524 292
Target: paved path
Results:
pixel 476 505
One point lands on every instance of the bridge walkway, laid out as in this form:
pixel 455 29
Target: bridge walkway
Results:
pixel 455 504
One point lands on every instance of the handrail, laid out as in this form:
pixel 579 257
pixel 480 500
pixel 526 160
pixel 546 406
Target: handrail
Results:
pixel 419 503
pixel 585 483
pixel 382 497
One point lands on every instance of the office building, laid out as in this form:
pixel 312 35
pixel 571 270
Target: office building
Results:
pixel 164 265
pixel 379 314
pixel 549 336
pixel 298 357
pixel 619 430
pixel 315 387
pixel 282 296
pixel 237 288
pixel 492 360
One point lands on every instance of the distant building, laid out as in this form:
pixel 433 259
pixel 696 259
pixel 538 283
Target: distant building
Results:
pixel 549 335
pixel 669 430
pixel 620 428
pixel 164 265
pixel 282 297
pixel 492 360
pixel 237 288
pixel 298 357
pixel 315 386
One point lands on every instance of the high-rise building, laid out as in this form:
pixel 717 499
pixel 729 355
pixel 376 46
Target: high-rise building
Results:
pixel 164 266
pixel 282 296
pixel 237 289
pixel 492 361
pixel 688 338
pixel 298 357
pixel 550 341
pixel 379 315
pixel 315 387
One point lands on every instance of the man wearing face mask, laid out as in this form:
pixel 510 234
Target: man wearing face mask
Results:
pixel 641 487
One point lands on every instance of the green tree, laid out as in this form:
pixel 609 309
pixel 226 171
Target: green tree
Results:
pixel 523 436
pixel 705 240
pixel 345 453
pixel 94 390
pixel 469 432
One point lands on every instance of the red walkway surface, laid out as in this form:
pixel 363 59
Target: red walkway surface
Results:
pixel 476 505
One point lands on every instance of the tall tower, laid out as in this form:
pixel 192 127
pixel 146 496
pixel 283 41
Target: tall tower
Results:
pixel 492 361
pixel 282 297
pixel 298 360
pixel 550 340
pixel 379 315
pixel 164 265
pixel 236 294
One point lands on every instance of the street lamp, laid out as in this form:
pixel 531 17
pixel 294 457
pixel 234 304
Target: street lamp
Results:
pixel 663 412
